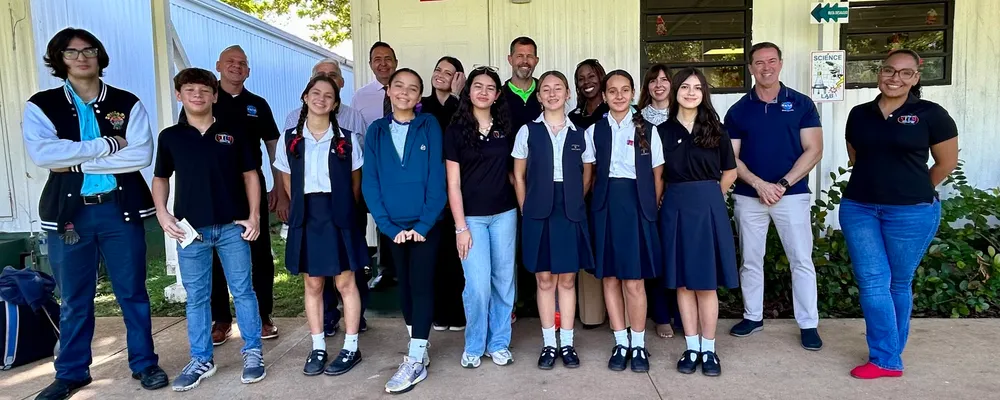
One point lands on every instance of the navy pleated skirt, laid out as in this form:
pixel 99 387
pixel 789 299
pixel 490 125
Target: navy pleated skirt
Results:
pixel 626 244
pixel 699 251
pixel 321 248
pixel 556 244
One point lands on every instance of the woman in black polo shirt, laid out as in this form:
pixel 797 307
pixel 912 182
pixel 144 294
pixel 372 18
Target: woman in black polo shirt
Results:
pixel 590 105
pixel 698 249
pixel 477 148
pixel 890 210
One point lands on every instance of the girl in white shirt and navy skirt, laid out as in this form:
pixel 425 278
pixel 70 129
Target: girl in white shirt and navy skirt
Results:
pixel 320 166
pixel 623 213
pixel 553 165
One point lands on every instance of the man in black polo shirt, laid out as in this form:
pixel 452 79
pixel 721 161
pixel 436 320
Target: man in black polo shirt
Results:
pixel 248 114
pixel 520 88
pixel 218 196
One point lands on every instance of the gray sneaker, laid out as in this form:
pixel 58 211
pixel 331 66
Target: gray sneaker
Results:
pixel 470 361
pixel 192 375
pixel 501 357
pixel 253 367
pixel 409 374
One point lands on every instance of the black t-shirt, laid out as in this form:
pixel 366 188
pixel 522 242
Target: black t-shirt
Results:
pixel 890 164
pixel 209 168
pixel 585 121
pixel 521 111
pixel 442 112
pixel 686 162
pixel 486 187
pixel 248 114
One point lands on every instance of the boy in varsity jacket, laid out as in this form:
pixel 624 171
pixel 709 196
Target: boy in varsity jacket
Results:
pixel 94 139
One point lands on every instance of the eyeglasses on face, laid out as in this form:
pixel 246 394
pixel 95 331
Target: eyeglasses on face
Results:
pixel 888 72
pixel 73 54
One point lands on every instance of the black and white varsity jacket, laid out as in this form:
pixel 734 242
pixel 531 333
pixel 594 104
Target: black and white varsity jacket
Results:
pixel 52 137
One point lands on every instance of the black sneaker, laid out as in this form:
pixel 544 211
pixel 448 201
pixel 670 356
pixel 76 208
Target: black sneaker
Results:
pixel 548 358
pixel 746 328
pixel 315 363
pixel 363 326
pixel 569 357
pixel 710 365
pixel 344 362
pixel 689 361
pixel 619 358
pixel 61 389
pixel 811 339
pixel 331 329
pixel 640 359
pixel 152 378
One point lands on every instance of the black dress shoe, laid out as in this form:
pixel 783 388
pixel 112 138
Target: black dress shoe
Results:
pixel 548 358
pixel 689 361
pixel 640 359
pixel 569 357
pixel 711 366
pixel 61 389
pixel 152 378
pixel 344 362
pixel 619 358
pixel 315 363
pixel 811 340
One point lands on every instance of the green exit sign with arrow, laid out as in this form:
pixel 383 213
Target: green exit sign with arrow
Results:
pixel 826 13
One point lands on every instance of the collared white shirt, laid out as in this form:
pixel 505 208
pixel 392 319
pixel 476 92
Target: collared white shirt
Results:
pixel 623 149
pixel 368 100
pixel 317 153
pixel 347 117
pixel 558 143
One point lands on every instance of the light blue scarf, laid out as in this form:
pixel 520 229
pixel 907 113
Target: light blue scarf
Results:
pixel 89 130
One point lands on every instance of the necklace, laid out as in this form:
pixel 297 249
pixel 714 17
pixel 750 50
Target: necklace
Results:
pixel 484 132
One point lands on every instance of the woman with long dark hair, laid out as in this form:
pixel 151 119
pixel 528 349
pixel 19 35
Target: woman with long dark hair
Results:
pixel 590 105
pixel 477 146
pixel 890 212
pixel 654 106
pixel 553 165
pixel 320 167
pixel 623 211
pixel 698 249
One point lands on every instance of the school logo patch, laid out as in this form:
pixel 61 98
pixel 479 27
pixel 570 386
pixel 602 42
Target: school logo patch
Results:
pixel 787 107
pixel 574 147
pixel 224 138
pixel 908 119
pixel 252 111
pixel 117 120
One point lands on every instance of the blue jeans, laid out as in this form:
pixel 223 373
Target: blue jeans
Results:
pixel 196 275
pixel 886 244
pixel 489 282
pixel 122 246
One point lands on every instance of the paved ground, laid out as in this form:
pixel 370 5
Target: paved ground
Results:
pixel 946 359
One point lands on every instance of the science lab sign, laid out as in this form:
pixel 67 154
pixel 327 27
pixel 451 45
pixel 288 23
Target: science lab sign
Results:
pixel 828 72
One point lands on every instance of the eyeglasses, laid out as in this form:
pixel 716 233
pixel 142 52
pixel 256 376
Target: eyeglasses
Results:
pixel 888 72
pixel 490 68
pixel 73 54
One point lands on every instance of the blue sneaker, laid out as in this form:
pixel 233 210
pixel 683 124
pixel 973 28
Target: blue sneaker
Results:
pixel 192 375
pixel 410 373
pixel 253 367
pixel 746 328
pixel 811 340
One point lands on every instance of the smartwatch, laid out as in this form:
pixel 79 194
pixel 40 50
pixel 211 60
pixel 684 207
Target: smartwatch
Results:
pixel 784 183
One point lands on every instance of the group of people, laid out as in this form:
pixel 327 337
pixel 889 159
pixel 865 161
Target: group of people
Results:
pixel 465 184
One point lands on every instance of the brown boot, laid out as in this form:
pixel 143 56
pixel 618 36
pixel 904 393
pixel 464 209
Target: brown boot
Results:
pixel 221 332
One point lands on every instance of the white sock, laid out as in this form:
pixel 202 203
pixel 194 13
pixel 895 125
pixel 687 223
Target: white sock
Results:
pixel 621 338
pixel 351 342
pixel 319 341
pixel 549 337
pixel 707 345
pixel 639 339
pixel 565 337
pixel 692 342
pixel 409 331
pixel 417 348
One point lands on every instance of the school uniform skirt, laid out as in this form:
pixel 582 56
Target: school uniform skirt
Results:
pixel 321 248
pixel 699 251
pixel 556 244
pixel 626 244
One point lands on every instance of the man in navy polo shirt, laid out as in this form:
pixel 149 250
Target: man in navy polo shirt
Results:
pixel 778 139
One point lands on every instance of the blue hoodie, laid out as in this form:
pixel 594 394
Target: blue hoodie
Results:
pixel 407 195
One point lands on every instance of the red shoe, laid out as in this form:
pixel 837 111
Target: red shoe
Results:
pixel 872 371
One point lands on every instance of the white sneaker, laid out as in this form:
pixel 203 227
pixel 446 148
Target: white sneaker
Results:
pixel 501 357
pixel 470 361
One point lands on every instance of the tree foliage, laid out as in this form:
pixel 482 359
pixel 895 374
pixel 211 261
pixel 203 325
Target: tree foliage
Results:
pixel 331 19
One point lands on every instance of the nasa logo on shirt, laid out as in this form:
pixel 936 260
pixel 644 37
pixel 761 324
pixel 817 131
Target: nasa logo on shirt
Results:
pixel 251 111
pixel 224 138
pixel 787 107
pixel 908 119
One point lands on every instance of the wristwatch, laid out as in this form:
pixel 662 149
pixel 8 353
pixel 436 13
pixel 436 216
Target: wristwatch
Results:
pixel 784 183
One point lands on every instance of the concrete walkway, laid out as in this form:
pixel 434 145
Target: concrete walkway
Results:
pixel 946 359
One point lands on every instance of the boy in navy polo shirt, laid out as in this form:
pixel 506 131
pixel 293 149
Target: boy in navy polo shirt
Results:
pixel 218 195
pixel 778 139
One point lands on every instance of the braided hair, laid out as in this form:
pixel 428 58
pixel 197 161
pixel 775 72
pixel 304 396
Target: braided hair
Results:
pixel 466 120
pixel 339 142
pixel 640 127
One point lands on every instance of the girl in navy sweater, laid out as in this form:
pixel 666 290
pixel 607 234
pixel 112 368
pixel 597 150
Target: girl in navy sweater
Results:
pixel 403 183
pixel 553 164
pixel 320 167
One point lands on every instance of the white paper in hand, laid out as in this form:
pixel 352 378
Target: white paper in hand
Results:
pixel 189 233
